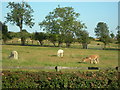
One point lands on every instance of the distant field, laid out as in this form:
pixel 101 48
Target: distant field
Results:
pixel 36 56
pixel 93 44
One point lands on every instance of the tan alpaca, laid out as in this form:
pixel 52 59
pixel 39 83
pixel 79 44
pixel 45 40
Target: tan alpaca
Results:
pixel 92 59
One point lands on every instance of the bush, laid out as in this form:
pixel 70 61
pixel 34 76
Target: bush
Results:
pixel 22 79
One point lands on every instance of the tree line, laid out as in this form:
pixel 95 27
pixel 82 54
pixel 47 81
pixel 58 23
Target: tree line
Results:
pixel 62 25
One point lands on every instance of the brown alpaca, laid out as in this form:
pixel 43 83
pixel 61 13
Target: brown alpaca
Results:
pixel 92 59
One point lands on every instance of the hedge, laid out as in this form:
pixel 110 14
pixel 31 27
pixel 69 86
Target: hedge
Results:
pixel 87 79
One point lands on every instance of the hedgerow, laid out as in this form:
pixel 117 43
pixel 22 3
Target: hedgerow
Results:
pixel 88 79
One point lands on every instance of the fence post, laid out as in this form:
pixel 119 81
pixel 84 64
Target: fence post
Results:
pixel 58 68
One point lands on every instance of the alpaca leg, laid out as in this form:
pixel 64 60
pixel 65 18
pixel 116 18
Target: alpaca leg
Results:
pixel 97 60
pixel 61 54
pixel 91 61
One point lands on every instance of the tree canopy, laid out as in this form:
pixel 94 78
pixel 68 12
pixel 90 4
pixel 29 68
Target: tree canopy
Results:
pixel 102 33
pixel 4 35
pixel 40 36
pixel 83 37
pixel 62 21
pixel 20 14
pixel 118 36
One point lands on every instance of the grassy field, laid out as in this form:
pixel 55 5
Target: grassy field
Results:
pixel 36 56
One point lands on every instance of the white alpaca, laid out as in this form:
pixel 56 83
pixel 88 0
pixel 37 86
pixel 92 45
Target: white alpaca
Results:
pixel 14 55
pixel 60 53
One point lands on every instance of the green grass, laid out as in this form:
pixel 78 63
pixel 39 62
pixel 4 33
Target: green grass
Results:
pixel 35 56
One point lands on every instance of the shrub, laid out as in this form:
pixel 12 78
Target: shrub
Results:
pixel 22 79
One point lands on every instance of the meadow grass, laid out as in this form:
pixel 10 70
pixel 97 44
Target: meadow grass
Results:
pixel 36 56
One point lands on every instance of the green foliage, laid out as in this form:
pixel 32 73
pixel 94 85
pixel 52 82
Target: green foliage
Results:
pixel 112 35
pixel 40 36
pixel 0 30
pixel 31 35
pixel 4 32
pixel 102 33
pixel 112 38
pixel 13 34
pixel 92 38
pixel 69 39
pixel 60 39
pixel 62 21
pixel 99 79
pixel 20 13
pixel 118 36
pixel 53 38
pixel 83 37
pixel 24 34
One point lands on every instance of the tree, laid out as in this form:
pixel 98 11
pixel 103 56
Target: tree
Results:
pixel 0 35
pixel 83 37
pixel 40 36
pixel 60 39
pixel 92 38
pixel 0 30
pixel 68 40
pixel 24 35
pixel 102 33
pixel 62 21
pixel 20 14
pixel 14 34
pixel 53 38
pixel 118 36
pixel 4 32
pixel 112 35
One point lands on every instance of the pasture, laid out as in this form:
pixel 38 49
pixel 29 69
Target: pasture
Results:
pixel 36 56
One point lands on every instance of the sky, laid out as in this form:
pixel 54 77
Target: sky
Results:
pixel 90 13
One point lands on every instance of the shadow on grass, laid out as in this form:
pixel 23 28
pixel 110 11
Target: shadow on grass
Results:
pixel 31 45
pixel 82 62
pixel 52 55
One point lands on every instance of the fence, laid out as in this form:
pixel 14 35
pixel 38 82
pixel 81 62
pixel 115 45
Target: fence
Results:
pixel 59 68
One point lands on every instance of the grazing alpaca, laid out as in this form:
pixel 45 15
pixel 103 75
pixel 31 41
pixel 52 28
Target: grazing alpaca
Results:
pixel 92 58
pixel 14 55
pixel 60 53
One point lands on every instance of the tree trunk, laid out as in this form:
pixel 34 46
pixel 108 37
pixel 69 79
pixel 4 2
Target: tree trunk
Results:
pixel 4 41
pixel 32 42
pixel 59 44
pixel 22 38
pixel 85 46
pixel 104 46
pixel 54 44
pixel 67 44
pixel 41 43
